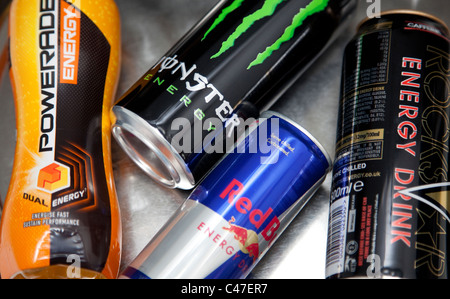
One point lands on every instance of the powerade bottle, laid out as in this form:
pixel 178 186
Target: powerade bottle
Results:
pixel 61 215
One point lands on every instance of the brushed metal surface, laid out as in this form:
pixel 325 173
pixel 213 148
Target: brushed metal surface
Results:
pixel 149 29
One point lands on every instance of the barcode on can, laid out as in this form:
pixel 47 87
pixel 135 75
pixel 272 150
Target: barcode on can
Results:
pixel 337 229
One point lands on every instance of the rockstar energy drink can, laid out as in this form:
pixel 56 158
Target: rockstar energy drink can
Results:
pixel 389 214
pixel 181 117
pixel 61 216
pixel 241 208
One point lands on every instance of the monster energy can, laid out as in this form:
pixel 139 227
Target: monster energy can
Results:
pixel 180 118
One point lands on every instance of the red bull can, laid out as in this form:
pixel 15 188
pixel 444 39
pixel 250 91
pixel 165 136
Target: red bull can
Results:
pixel 241 208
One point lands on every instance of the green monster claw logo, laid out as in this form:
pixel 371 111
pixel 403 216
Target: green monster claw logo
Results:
pixel 268 9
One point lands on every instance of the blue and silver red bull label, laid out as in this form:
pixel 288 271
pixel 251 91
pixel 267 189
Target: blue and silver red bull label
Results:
pixel 240 209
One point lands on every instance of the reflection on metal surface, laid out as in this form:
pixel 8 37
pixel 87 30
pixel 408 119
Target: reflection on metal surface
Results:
pixel 150 28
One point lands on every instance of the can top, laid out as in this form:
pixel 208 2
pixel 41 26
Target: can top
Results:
pixel 270 113
pixel 435 19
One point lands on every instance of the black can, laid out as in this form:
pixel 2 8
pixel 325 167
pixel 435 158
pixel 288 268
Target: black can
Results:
pixel 389 213
pixel 187 111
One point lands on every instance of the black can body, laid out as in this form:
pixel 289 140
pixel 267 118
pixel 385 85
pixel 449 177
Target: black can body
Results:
pixel 389 214
pixel 230 67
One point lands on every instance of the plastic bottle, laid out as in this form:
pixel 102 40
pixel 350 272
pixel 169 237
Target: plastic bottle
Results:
pixel 61 216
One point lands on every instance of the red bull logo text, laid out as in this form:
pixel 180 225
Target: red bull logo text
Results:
pixel 245 206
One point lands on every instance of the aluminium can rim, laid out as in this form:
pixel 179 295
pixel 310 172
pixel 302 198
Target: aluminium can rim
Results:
pixel 126 121
pixel 410 12
pixel 270 113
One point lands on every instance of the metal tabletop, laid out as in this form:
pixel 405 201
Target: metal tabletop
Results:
pixel 149 29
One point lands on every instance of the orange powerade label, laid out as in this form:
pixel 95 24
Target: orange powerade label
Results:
pixel 61 208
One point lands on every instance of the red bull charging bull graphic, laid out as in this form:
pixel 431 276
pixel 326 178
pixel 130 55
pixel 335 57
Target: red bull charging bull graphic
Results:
pixel 248 239
pixel 240 209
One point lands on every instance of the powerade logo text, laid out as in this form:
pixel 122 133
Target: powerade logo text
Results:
pixel 268 9
pixel 48 40
pixel 48 57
